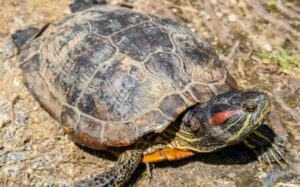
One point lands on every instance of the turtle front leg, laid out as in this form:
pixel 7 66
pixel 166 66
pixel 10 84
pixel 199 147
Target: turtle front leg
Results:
pixel 267 146
pixel 118 174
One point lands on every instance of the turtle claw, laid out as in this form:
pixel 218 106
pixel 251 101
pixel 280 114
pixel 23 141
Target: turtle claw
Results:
pixel 267 146
pixel 270 157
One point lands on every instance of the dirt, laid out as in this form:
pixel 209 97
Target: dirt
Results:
pixel 35 151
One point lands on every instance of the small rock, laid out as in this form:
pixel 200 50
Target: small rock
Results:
pixel 219 14
pixel 296 167
pixel 9 170
pixel 226 10
pixel 232 18
pixel 64 182
pixel 35 165
pixel 16 82
pixel 48 142
pixel 2 71
pixel 51 182
pixel 267 47
pixel 35 107
pixel 4 119
pixel 233 2
pixel 262 175
pixel 272 177
pixel 7 47
pixel 21 117
pixel 3 156
pixel 16 156
pixel 297 138
pixel 203 13
pixel 29 170
pixel 3 105
pixel 231 175
pixel 214 2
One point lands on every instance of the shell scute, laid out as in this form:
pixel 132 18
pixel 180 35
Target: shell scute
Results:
pixel 106 97
pixel 115 137
pixel 68 116
pixel 201 60
pixel 172 105
pixel 153 120
pixel 140 41
pixel 90 127
pixel 169 68
pixel 111 75
pixel 201 92
pixel 108 21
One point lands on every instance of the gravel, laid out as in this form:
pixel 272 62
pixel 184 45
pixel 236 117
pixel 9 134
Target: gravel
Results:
pixel 35 146
pixel 272 177
pixel 21 118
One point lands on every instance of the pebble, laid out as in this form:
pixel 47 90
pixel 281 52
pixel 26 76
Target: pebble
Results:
pixel 214 2
pixel 16 82
pixel 64 182
pixel 225 10
pixel 21 117
pixel 35 107
pixel 231 175
pixel 17 156
pixel 272 177
pixel 3 156
pixel 8 47
pixel 48 142
pixel 262 175
pixel 233 2
pixel 4 119
pixel 267 47
pixel 232 18
pixel 29 170
pixel 203 13
pixel 9 170
pixel 219 14
pixel 51 182
pixel 2 71
pixel 3 105
pixel 297 138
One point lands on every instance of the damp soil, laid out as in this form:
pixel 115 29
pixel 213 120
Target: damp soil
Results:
pixel 35 151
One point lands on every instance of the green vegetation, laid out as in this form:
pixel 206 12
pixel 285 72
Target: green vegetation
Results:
pixel 284 59
pixel 271 4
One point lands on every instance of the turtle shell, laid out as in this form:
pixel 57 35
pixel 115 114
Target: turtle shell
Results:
pixel 110 75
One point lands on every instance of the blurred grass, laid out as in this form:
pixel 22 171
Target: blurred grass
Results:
pixel 271 4
pixel 284 59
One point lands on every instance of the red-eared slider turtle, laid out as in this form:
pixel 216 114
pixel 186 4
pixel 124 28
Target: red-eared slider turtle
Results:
pixel 141 87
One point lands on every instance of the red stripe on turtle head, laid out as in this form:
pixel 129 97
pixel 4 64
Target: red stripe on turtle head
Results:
pixel 219 118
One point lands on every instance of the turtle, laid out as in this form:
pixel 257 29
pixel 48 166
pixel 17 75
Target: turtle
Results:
pixel 143 88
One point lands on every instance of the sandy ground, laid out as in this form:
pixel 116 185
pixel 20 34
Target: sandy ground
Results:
pixel 34 150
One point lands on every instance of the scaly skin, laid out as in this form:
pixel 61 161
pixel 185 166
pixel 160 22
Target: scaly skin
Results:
pixel 267 146
pixel 119 173
pixel 84 84
pixel 204 128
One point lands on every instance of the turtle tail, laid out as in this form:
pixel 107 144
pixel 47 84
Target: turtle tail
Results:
pixel 118 174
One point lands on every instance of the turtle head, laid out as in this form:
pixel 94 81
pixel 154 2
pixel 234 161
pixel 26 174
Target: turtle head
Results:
pixel 228 118
pixel 234 115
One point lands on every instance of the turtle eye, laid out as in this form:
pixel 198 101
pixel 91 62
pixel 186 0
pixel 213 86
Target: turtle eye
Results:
pixel 249 107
